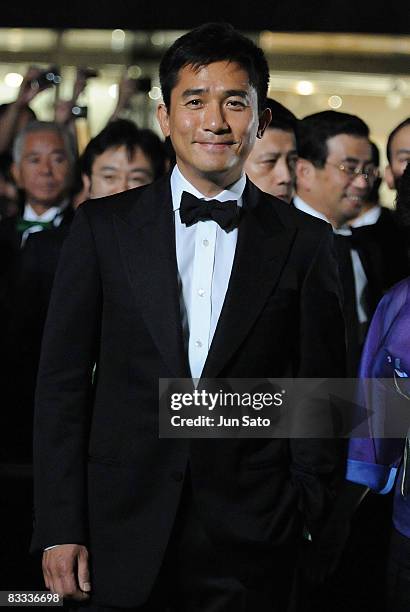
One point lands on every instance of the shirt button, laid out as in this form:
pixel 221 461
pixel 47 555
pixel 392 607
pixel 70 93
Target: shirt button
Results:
pixel 201 292
pixel 205 242
pixel 198 343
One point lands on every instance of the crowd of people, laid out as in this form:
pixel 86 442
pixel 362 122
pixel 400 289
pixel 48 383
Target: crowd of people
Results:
pixel 324 166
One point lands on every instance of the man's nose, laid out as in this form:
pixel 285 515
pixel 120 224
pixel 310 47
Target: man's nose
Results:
pixel 214 118
pixel 282 171
pixel 360 182
pixel 45 166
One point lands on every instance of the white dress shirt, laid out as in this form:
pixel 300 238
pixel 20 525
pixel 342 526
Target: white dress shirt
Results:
pixel 54 214
pixel 368 218
pixel 360 278
pixel 205 254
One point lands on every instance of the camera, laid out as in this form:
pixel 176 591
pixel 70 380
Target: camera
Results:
pixel 47 78
pixel 79 112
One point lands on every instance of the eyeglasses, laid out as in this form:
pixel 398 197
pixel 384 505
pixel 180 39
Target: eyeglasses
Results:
pixel 368 173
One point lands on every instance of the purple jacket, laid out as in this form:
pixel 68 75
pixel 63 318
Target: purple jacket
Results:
pixel 374 461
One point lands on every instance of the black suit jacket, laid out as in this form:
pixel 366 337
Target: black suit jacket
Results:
pixel 102 475
pixel 26 277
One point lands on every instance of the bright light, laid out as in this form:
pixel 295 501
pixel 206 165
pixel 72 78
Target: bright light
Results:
pixel 134 72
pixel 155 93
pixel 394 100
pixel 117 40
pixel 335 102
pixel 157 39
pixel 118 34
pixel 13 79
pixel 305 88
pixel 113 90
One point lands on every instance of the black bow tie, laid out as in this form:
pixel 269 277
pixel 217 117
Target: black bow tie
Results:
pixel 192 210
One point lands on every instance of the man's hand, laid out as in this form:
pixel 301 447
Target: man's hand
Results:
pixel 65 570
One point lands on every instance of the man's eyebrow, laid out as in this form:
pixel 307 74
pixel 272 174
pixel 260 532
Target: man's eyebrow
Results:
pixel 40 152
pixel 109 168
pixel 194 92
pixel 142 170
pixel 242 93
pixel 355 160
pixel 399 151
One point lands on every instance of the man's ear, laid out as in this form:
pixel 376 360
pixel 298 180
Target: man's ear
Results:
pixel 15 173
pixel 388 176
pixel 163 119
pixel 305 172
pixel 264 120
pixel 87 185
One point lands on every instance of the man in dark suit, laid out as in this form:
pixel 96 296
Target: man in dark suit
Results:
pixel 271 164
pixel 158 283
pixel 332 174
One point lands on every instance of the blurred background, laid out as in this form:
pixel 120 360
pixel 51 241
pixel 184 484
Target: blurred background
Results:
pixel 346 56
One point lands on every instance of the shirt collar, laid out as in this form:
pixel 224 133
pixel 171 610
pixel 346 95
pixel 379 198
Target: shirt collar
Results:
pixel 49 215
pixel 305 207
pixel 368 218
pixel 179 184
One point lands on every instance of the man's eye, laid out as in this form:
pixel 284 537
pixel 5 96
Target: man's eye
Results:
pixel 269 162
pixel 350 170
pixel 109 178
pixel 236 103
pixel 194 103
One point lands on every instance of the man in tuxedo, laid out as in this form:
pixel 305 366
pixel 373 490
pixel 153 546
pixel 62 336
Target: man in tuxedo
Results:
pixel 271 164
pixel 332 175
pixel 198 274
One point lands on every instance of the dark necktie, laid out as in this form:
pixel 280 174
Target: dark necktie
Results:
pixel 192 210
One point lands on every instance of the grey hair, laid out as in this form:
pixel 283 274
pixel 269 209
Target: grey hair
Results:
pixel 44 126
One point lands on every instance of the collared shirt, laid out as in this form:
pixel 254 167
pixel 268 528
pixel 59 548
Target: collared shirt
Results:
pixel 360 277
pixel 53 214
pixel 205 254
pixel 368 218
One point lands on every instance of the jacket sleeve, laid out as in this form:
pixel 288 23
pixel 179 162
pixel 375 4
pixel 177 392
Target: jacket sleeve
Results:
pixel 317 462
pixel 373 460
pixel 64 392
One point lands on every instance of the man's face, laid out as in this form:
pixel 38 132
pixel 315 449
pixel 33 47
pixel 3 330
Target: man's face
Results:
pixel 271 163
pixel 114 171
pixel 44 171
pixel 213 122
pixel 330 188
pixel 400 156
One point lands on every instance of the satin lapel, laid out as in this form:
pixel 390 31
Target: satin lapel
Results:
pixel 261 252
pixel 147 241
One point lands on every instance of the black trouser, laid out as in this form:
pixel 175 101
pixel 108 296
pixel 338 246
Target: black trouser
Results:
pixel 398 574
pixel 195 577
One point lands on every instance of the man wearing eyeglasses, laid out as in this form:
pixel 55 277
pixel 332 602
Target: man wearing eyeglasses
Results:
pixel 332 174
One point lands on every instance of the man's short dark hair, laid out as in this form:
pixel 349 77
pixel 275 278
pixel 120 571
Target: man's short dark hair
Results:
pixel 124 133
pixel 209 43
pixel 282 117
pixel 314 131
pixel 392 134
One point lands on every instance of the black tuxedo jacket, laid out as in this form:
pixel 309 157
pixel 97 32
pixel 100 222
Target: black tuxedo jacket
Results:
pixel 102 475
